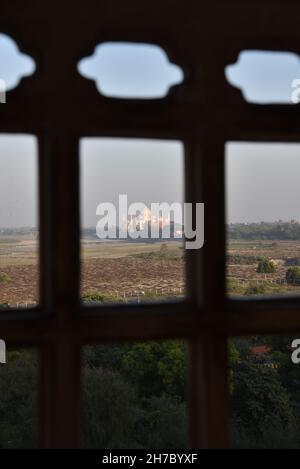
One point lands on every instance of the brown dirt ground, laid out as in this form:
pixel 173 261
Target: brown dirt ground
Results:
pixel 108 276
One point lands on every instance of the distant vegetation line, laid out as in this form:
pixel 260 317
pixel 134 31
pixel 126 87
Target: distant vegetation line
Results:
pixel 264 231
pixel 278 230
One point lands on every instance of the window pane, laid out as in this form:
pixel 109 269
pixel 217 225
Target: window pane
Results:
pixel 264 392
pixel 125 268
pixel 15 65
pixel 266 77
pixel 263 229
pixel 134 395
pixel 130 70
pixel 18 221
pixel 19 400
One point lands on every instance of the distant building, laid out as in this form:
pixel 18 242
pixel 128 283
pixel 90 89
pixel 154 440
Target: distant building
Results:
pixel 261 355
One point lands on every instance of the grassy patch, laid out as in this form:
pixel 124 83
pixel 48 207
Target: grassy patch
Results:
pixel 238 259
pixel 157 256
pixel 4 277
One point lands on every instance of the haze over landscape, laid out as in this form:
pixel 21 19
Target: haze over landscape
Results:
pixel 261 178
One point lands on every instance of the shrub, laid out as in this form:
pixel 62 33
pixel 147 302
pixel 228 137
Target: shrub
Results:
pixel 292 275
pixel 265 266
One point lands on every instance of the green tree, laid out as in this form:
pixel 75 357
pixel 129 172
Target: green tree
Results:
pixel 288 372
pixel 109 410
pixel 259 402
pixel 157 368
pixel 118 414
pixel 163 423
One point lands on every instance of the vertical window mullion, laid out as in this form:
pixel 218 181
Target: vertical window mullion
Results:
pixel 208 392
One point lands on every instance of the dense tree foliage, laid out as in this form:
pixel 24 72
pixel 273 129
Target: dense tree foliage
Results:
pixel 18 401
pixel 265 231
pixel 259 401
pixel 152 375
pixel 265 407
pixel 133 395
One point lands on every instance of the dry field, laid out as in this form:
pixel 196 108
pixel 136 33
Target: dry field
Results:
pixel 122 269
pixel 108 268
pixel 18 270
pixel 281 252
pixel 126 275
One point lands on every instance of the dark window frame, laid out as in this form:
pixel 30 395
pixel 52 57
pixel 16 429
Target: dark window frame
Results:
pixel 59 107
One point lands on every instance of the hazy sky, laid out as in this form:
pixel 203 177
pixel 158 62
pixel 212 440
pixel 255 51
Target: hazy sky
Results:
pixel 265 77
pixel 18 181
pixel 131 70
pixel 146 170
pixel 262 182
pixel 262 179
